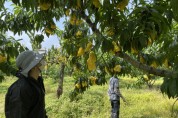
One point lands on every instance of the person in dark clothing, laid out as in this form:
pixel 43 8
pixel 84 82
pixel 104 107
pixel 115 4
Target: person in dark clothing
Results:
pixel 26 96
pixel 115 95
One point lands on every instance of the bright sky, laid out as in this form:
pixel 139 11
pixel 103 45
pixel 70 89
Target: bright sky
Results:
pixel 48 41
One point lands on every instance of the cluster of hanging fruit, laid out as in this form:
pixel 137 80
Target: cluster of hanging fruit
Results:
pixel 74 20
pixel 44 6
pixel 50 28
pixel 83 83
pixel 117 47
pixel 97 80
pixel 149 79
pixel 81 50
pixel 116 69
pixel 91 61
pixel 122 4
pixel 143 58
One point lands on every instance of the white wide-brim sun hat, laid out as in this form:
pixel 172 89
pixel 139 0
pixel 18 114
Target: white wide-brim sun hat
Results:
pixel 27 60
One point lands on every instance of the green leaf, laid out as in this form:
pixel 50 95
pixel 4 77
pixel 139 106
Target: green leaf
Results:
pixel 124 38
pixel 161 18
pixel 1 78
pixel 39 38
pixel 164 86
pixel 174 4
pixel 143 41
pixel 172 87
pixel 7 68
pixel 107 45
pixel 15 1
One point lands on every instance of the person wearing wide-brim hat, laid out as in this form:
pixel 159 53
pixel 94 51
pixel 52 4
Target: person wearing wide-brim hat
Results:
pixel 26 96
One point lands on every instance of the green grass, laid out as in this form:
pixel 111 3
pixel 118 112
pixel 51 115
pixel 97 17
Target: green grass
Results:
pixel 94 103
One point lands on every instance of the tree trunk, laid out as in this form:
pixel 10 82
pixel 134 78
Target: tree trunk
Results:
pixel 61 78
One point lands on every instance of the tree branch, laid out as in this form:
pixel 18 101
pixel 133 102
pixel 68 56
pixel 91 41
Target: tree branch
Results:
pixel 149 69
pixel 137 64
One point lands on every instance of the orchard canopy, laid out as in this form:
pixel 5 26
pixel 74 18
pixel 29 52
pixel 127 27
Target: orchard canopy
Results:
pixel 100 36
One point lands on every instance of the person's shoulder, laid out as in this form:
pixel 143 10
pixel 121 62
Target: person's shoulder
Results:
pixel 116 79
pixel 22 83
pixel 14 87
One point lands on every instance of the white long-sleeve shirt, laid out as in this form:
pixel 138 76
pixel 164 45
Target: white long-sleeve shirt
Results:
pixel 113 91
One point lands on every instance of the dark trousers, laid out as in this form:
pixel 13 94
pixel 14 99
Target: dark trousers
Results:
pixel 115 104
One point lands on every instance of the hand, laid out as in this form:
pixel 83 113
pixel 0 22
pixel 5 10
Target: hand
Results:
pixel 125 101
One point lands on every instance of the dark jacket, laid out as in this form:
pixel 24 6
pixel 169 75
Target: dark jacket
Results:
pixel 26 99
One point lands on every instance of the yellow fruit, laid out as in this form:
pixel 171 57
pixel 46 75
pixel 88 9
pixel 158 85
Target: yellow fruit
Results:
pixel 78 85
pixel 48 31
pixel 78 4
pixel 116 47
pixel 92 56
pixel 46 67
pixel 93 79
pixel 96 3
pixel 89 46
pixel 78 34
pixel 134 51
pixel 80 51
pixel 91 61
pixel 78 22
pixel 166 63
pixel 110 31
pixel 60 58
pixel 142 60
pixel 67 12
pixel 76 69
pixel 91 64
pixel 106 70
pixel 154 64
pixel 149 41
pixel 117 68
pixel 2 59
pixel 111 69
pixel 84 83
pixel 45 6
pixel 53 26
pixel 152 35
pixel 145 77
pixel 74 21
pixel 122 4
pixel 112 52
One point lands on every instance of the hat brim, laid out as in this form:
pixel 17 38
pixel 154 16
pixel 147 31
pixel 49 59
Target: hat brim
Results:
pixel 37 59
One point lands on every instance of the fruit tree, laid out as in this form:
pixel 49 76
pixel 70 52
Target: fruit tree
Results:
pixel 137 33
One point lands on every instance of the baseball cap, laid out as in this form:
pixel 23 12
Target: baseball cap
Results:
pixel 27 60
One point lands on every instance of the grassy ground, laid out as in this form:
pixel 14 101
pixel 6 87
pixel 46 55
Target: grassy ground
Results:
pixel 94 103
